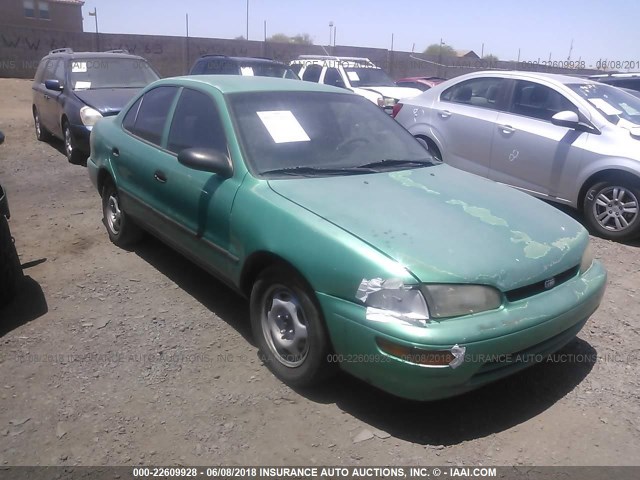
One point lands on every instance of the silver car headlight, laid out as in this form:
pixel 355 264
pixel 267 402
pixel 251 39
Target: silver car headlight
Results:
pixel 89 116
pixel 450 300
pixel 587 259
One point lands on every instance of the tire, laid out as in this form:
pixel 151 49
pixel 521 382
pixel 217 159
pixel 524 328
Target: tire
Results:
pixel 10 269
pixel 121 229
pixel 611 209
pixel 74 155
pixel 301 363
pixel 431 147
pixel 42 134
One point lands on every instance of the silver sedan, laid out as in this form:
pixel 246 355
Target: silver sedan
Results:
pixel 560 138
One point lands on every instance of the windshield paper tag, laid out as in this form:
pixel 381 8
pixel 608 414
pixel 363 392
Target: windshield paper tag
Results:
pixel 78 67
pixel 82 85
pixel 247 71
pixel 353 76
pixel 283 126
pixel 606 107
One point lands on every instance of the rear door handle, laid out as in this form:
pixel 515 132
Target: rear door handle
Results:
pixel 47 97
pixel 506 129
pixel 444 113
pixel 115 152
pixel 160 176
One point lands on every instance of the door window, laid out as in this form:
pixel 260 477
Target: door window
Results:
pixel 152 114
pixel 332 77
pixel 196 124
pixel 538 101
pixel 312 73
pixel 49 70
pixel 479 92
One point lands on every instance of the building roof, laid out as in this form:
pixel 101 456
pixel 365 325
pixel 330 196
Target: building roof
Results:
pixel 72 2
pixel 467 53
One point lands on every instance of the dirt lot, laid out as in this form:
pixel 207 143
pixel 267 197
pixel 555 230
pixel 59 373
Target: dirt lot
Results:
pixel 112 357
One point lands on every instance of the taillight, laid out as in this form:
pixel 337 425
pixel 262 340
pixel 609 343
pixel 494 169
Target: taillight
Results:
pixel 396 110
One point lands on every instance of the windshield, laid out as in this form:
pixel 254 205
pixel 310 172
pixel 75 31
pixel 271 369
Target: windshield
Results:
pixel 317 132
pixel 267 70
pixel 94 73
pixel 616 105
pixel 368 77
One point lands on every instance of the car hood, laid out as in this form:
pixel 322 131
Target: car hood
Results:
pixel 108 101
pixel 445 225
pixel 393 92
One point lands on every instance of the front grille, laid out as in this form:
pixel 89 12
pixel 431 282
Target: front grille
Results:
pixel 539 287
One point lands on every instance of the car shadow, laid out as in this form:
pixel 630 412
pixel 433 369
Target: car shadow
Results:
pixel 219 299
pixel 58 145
pixel 491 409
pixel 29 304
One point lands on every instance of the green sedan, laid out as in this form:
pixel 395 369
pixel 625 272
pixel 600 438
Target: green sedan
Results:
pixel 355 248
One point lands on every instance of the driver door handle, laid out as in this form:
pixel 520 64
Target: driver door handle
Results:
pixel 506 129
pixel 444 113
pixel 160 176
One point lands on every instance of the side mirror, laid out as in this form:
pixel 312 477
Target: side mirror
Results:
pixel 207 160
pixel 53 85
pixel 566 119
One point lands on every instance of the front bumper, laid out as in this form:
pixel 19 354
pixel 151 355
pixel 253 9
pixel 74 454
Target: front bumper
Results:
pixel 498 343
pixel 81 134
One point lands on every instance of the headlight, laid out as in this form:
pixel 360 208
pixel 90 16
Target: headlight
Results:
pixel 392 301
pixel 386 102
pixel 455 300
pixel 587 259
pixel 89 116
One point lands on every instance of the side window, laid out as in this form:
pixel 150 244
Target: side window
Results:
pixel 58 73
pixel 479 92
pixel 39 77
pixel 312 73
pixel 538 101
pixel 196 124
pixel 332 77
pixel 49 70
pixel 295 68
pixel 130 118
pixel 152 114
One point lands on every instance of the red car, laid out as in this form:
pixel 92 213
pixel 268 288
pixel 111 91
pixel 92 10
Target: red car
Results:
pixel 422 83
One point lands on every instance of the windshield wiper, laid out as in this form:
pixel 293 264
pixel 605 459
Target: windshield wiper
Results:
pixel 317 171
pixel 393 162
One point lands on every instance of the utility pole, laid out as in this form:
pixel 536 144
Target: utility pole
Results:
pixel 247 37
pixel 95 15
pixel 330 31
pixel 187 39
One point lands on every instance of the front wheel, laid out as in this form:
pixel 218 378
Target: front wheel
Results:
pixel 74 155
pixel 41 133
pixel 611 209
pixel 122 230
pixel 289 329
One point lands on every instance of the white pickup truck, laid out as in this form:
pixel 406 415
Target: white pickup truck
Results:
pixel 359 75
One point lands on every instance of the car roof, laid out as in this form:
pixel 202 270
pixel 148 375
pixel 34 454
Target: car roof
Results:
pixel 228 84
pixel 92 55
pixel 240 59
pixel 552 77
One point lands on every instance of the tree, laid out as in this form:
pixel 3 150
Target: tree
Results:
pixel 437 49
pixel 491 58
pixel 241 37
pixel 299 39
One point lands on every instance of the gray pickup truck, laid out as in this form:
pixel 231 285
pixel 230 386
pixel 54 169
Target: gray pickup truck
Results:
pixel 10 269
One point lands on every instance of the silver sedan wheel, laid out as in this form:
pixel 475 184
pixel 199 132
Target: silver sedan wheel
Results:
pixel 615 208
pixel 284 326
pixel 36 120
pixel 68 142
pixel 114 215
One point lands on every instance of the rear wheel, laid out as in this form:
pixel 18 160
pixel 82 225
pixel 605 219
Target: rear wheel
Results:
pixel 611 209
pixel 41 133
pixel 122 230
pixel 10 268
pixel 431 147
pixel 288 327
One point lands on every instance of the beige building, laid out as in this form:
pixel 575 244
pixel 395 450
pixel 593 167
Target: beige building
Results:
pixel 64 15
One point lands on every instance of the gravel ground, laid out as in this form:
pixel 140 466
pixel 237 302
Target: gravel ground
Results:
pixel 112 357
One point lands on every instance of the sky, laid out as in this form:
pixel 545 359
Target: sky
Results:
pixel 599 29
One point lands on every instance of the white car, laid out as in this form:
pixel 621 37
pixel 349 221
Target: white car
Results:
pixel 360 75
pixel 564 139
